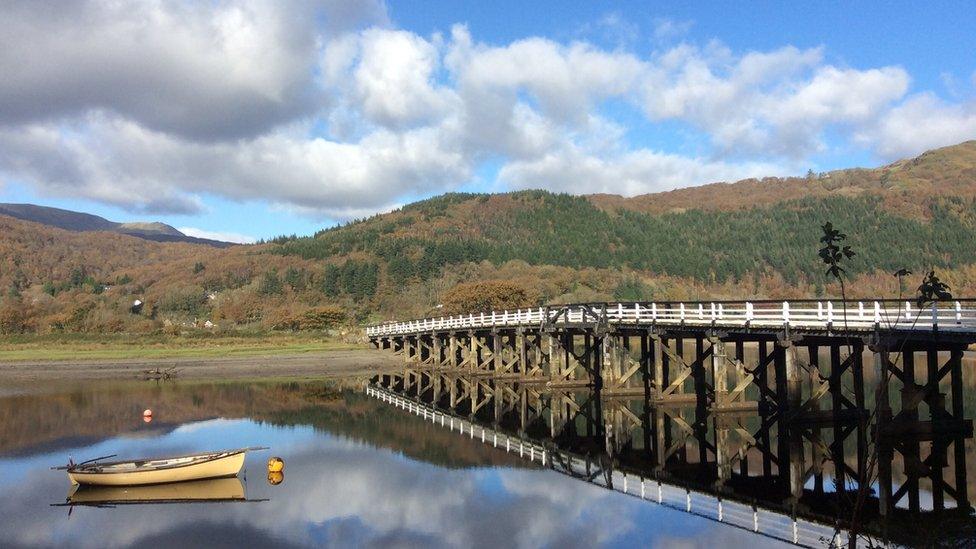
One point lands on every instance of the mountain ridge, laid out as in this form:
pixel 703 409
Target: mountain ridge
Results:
pixel 952 169
pixel 71 220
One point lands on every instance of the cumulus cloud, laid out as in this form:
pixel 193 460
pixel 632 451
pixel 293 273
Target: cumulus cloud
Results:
pixel 922 122
pixel 165 173
pixel 775 103
pixel 566 81
pixel 201 71
pixel 323 107
pixel 393 80
pixel 92 161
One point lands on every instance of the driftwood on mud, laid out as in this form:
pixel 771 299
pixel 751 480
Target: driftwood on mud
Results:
pixel 160 374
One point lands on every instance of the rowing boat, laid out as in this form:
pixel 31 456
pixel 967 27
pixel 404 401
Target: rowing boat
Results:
pixel 225 463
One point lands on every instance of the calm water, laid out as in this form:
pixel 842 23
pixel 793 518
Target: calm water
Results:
pixel 358 473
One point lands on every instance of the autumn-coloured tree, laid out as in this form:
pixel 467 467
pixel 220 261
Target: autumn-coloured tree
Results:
pixel 312 319
pixel 490 295
pixel 14 316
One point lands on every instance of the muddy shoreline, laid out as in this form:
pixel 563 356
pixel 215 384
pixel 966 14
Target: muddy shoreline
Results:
pixel 325 364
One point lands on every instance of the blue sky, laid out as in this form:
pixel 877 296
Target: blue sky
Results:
pixel 252 118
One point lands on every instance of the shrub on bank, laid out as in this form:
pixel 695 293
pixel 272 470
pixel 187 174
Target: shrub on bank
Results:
pixel 312 319
pixel 490 295
pixel 15 316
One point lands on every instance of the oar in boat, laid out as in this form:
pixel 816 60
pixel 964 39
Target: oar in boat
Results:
pixel 73 465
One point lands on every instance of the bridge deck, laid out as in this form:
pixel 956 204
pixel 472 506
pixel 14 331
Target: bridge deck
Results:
pixel 958 317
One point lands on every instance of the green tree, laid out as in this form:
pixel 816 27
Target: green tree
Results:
pixel 270 284
pixel 330 281
pixel 400 269
pixel 295 278
pixel 632 289
pixel 183 299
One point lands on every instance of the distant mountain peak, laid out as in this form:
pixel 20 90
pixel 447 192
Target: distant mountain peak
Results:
pixel 149 227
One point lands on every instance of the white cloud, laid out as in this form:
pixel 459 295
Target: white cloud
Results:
pixel 217 235
pixel 566 80
pixel 394 79
pixel 119 162
pixel 921 122
pixel 219 71
pixel 776 103
pixel 325 108
pixel 629 173
pixel 92 160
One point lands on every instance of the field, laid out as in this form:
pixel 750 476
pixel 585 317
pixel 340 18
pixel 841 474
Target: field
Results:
pixel 83 347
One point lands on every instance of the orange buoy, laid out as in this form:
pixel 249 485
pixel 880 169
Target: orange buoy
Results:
pixel 147 415
pixel 276 465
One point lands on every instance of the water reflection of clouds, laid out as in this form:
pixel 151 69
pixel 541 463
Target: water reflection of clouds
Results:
pixel 342 493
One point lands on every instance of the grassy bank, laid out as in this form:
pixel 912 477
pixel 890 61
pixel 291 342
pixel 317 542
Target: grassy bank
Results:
pixel 64 347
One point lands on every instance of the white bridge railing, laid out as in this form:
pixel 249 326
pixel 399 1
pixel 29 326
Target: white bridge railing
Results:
pixel 949 316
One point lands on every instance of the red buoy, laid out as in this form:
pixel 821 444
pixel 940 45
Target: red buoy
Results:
pixel 147 415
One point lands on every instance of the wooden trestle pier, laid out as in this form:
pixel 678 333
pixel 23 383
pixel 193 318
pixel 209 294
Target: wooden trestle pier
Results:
pixel 652 375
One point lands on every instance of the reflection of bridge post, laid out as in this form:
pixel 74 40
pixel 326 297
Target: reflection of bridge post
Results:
pixel 845 411
pixel 742 380
pixel 661 423
pixel 882 405
pixel 818 451
pixel 723 459
pixel 797 468
pixel 702 398
pixel 648 413
pixel 498 396
pixel 453 392
pixel 591 360
pixel 906 432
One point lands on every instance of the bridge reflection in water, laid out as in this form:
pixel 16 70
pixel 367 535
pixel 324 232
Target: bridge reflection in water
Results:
pixel 778 429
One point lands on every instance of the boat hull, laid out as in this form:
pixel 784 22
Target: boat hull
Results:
pixel 226 466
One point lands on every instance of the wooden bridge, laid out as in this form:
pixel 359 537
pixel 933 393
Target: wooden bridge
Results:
pixel 636 348
pixel 654 376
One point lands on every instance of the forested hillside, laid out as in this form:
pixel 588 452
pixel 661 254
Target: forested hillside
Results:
pixel 547 229
pixel 754 238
